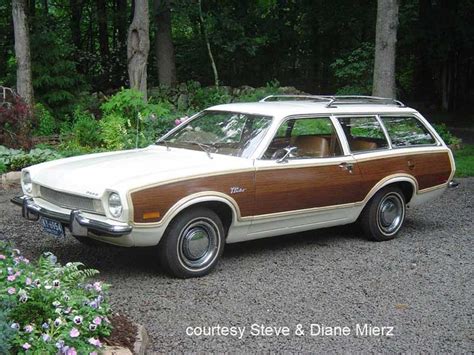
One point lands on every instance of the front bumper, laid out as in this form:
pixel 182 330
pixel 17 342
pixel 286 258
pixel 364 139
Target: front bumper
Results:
pixel 76 221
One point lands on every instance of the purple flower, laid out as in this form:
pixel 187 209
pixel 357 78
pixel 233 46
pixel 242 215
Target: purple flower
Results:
pixel 74 333
pixel 71 351
pixel 2 257
pixel 45 337
pixel 67 310
pixel 11 278
pixel 57 322
pixel 26 346
pixel 95 342
pixel 97 321
pixel 78 319
pixel 93 353
pixel 98 286
pixel 45 325
pixel 93 304
pixel 11 290
pixel 28 281
pixel 92 327
pixel 10 270
pixel 15 326
pixel 28 328
pixel 60 344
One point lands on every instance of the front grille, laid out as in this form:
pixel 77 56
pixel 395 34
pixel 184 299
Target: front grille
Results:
pixel 67 200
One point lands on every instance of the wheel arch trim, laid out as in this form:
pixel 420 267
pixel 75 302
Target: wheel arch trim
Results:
pixel 192 200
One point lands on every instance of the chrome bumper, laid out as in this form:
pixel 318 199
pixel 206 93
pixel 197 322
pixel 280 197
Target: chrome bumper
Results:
pixel 77 223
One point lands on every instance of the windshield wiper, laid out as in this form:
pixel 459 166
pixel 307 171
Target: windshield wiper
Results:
pixel 204 147
pixel 166 143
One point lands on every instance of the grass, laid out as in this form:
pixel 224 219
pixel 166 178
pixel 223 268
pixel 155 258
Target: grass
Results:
pixel 464 161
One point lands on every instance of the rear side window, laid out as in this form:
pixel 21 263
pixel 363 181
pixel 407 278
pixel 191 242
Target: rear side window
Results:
pixel 407 131
pixel 363 133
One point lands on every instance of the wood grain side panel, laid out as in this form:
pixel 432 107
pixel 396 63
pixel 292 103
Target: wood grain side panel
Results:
pixel 429 169
pixel 284 190
pixel 162 198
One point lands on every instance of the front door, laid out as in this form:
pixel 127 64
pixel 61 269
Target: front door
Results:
pixel 314 184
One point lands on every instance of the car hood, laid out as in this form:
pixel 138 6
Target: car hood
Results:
pixel 91 175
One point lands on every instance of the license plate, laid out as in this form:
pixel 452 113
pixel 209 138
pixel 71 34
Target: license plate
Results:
pixel 52 227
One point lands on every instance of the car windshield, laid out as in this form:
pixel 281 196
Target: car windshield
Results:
pixel 229 133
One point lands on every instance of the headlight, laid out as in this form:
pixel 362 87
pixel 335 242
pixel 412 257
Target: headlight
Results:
pixel 26 182
pixel 115 205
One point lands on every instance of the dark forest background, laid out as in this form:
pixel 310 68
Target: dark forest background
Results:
pixel 317 46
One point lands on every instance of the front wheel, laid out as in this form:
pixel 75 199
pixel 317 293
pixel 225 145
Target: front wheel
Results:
pixel 384 215
pixel 192 243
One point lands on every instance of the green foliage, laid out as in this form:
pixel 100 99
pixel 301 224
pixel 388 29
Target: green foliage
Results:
pixel 6 332
pixel 46 125
pixel 354 72
pixel 129 121
pixel 446 135
pixel 86 129
pixel 53 308
pixel 15 159
pixel 464 161
pixel 56 80
pixel 3 167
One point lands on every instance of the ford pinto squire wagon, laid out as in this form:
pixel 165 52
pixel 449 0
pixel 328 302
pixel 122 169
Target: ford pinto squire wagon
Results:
pixel 242 171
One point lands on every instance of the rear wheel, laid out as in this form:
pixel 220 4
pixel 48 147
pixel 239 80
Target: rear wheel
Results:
pixel 384 215
pixel 192 244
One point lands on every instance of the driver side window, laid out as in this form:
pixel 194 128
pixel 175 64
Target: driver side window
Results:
pixel 312 137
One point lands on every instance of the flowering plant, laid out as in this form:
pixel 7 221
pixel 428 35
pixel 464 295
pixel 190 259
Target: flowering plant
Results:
pixel 52 308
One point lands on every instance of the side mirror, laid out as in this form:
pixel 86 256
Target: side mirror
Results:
pixel 288 151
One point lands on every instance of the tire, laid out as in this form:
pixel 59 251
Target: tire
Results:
pixel 192 244
pixel 384 215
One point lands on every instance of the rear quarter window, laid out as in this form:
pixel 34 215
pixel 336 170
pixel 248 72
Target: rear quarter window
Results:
pixel 406 131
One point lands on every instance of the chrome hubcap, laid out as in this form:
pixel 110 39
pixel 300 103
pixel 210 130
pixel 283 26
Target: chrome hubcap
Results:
pixel 198 243
pixel 390 213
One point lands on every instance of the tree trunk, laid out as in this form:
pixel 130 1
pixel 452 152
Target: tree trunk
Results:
pixel 165 59
pixel 138 46
pixel 103 33
pixel 208 45
pixel 24 83
pixel 385 48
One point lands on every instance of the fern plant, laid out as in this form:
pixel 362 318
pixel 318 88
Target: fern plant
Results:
pixel 52 308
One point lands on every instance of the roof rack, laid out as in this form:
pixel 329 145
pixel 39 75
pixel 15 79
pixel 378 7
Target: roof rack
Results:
pixel 334 100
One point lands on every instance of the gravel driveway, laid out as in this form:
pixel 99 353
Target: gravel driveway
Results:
pixel 421 284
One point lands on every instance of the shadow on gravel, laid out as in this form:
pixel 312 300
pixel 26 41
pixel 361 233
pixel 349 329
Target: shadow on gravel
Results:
pixel 319 237
pixel 143 261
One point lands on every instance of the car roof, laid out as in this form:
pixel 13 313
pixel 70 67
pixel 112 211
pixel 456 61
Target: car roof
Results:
pixel 280 109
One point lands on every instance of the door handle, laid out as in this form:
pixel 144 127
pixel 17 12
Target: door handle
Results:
pixel 347 166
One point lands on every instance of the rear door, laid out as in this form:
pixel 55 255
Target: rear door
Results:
pixel 316 177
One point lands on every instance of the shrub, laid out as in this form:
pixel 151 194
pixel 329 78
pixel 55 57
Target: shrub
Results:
pixel 16 119
pixel 46 124
pixel 53 308
pixel 129 121
pixel 3 168
pixel 14 159
pixel 86 129
pixel 446 135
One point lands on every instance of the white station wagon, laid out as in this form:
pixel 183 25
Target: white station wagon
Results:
pixel 244 171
